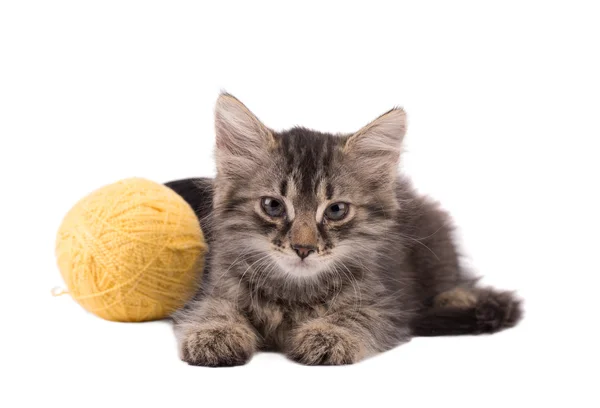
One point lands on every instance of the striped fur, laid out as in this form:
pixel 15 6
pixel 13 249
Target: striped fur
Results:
pixel 386 272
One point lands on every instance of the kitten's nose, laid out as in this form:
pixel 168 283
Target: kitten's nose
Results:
pixel 304 250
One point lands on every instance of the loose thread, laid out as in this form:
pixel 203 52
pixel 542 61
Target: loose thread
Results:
pixel 58 291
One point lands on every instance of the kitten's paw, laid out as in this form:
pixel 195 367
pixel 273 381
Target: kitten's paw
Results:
pixel 462 298
pixel 218 345
pixel 320 343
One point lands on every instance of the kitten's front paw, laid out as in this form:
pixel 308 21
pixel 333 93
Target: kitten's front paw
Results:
pixel 218 345
pixel 320 343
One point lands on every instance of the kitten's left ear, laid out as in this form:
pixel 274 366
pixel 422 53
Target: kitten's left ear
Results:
pixel 242 140
pixel 377 145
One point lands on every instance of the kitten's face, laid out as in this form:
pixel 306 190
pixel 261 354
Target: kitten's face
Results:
pixel 303 202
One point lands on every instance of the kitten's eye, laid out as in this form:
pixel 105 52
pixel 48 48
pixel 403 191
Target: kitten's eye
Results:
pixel 337 211
pixel 272 207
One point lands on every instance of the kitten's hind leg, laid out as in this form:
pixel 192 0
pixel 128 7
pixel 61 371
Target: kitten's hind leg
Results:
pixel 468 310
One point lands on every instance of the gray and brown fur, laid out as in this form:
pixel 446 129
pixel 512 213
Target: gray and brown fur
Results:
pixel 387 272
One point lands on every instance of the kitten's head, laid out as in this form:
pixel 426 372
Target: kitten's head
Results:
pixel 305 202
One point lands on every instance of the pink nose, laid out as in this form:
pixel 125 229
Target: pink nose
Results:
pixel 304 250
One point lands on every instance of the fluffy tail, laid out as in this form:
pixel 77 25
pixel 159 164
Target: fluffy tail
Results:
pixel 468 311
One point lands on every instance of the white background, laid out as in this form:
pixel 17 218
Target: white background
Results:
pixel 503 104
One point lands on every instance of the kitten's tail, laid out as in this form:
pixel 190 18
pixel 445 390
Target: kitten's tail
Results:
pixel 468 311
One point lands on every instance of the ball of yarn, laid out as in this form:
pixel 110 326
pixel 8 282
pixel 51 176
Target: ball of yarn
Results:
pixel 131 251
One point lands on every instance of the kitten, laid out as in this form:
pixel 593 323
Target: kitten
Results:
pixel 319 249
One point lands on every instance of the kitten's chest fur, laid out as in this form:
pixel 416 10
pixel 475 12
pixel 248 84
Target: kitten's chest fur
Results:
pixel 274 318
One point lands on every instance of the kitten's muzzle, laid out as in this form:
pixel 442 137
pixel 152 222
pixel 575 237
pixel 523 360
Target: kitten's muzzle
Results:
pixel 304 250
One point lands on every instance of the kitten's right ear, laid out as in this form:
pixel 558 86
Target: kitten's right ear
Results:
pixel 242 140
pixel 377 146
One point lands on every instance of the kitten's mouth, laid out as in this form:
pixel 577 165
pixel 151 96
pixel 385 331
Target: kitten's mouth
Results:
pixel 300 263
pixel 300 267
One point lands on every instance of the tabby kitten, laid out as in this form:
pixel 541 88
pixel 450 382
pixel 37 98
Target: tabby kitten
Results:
pixel 319 249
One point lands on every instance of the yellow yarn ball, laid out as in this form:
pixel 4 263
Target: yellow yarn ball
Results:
pixel 131 251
